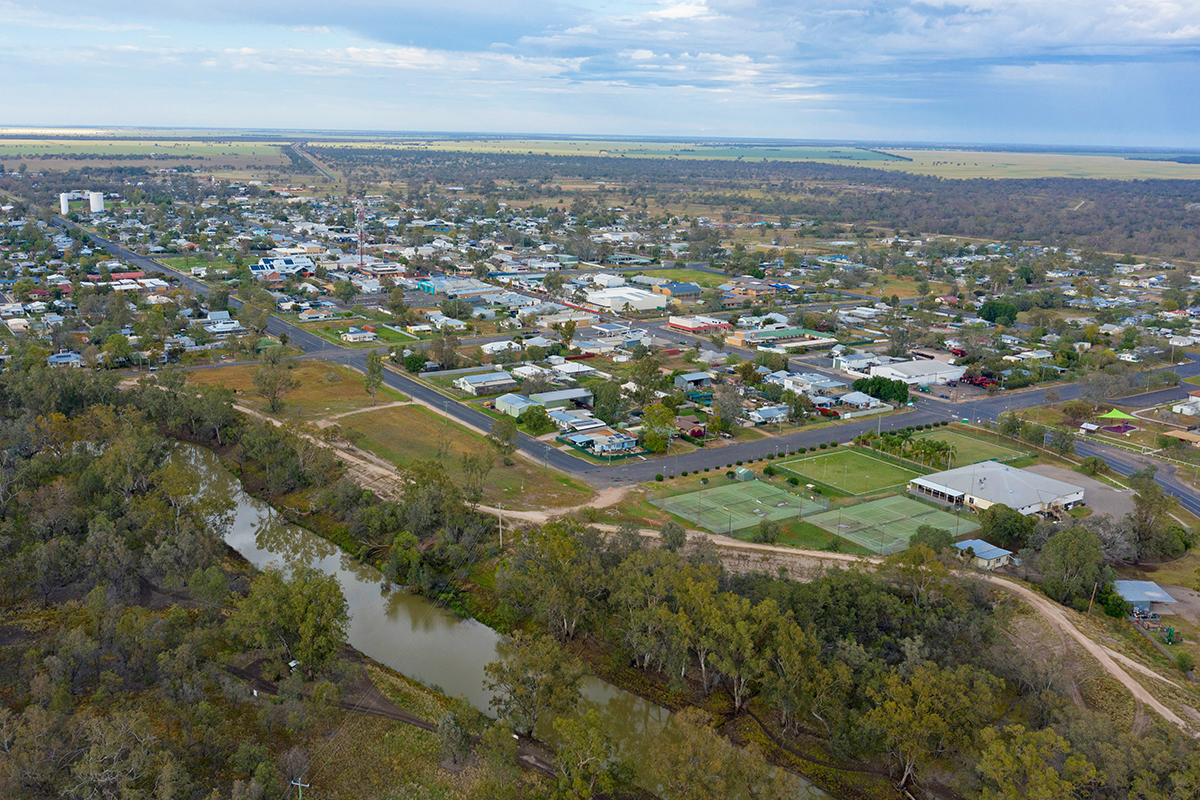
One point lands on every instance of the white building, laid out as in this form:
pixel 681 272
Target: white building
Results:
pixel 918 372
pixel 620 298
pixel 988 483
pixel 96 200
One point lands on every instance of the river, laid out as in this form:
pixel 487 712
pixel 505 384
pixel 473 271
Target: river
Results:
pixel 409 633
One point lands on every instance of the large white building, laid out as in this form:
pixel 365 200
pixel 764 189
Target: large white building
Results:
pixel 919 372
pixel 618 298
pixel 988 483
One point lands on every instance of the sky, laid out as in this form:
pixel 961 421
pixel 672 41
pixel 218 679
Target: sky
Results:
pixel 1057 72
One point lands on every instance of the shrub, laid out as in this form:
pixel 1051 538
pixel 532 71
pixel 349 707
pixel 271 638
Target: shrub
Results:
pixel 670 477
pixel 793 480
pixel 659 477
pixel 739 463
pixel 770 456
pixel 833 444
pixel 704 481
pixel 706 469
pixel 727 466
pixel 824 445
pixel 1185 662
pixel 731 474
pixel 683 474
pixel 769 471
pixel 945 422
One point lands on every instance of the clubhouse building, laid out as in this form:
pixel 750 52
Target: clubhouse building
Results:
pixel 987 483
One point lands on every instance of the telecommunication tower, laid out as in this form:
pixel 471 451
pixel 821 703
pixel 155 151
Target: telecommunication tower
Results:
pixel 362 231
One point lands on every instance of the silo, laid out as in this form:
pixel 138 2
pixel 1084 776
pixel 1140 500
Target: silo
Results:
pixel 97 200
pixel 64 203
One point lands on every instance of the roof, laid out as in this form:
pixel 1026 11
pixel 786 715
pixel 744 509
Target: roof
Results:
pixel 1142 592
pixel 486 377
pixel 1116 414
pixel 985 550
pixel 697 376
pixel 561 394
pixel 998 483
pixel 515 400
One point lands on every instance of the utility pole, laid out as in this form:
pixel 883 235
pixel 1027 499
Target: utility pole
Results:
pixel 300 787
pixel 501 507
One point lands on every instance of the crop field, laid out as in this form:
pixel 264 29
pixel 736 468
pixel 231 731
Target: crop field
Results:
pixel 735 506
pixel 849 471
pixel 971 450
pixel 885 526
pixel 975 164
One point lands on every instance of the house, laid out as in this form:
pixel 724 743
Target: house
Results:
pixel 357 335
pixel 691 425
pixel 316 314
pixel 980 486
pixel 514 405
pixel 480 384
pixel 1143 595
pixel 572 369
pixel 693 381
pixel 859 400
pixel 65 358
pixel 622 298
pixel 986 555
pixel 750 287
pixel 769 415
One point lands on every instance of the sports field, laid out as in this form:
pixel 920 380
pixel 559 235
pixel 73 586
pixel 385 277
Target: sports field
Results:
pixel 734 506
pixel 850 471
pixel 970 450
pixel 885 526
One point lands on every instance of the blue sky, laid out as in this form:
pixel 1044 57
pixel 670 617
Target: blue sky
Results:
pixel 1090 72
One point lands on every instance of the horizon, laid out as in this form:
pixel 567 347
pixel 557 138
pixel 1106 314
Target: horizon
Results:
pixel 1105 74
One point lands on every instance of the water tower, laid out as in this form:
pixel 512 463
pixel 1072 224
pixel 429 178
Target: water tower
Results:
pixel 64 203
pixel 97 201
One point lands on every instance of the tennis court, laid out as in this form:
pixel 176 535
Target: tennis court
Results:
pixel 885 526
pixel 969 450
pixel 849 470
pixel 734 506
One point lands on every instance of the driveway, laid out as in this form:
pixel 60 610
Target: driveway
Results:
pixel 1100 497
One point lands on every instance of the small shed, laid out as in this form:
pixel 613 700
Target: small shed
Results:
pixel 744 474
pixel 1143 595
pixel 987 555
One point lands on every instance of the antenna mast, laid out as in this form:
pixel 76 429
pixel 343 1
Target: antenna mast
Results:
pixel 362 232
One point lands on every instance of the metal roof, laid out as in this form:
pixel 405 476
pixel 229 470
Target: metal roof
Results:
pixel 998 483
pixel 1142 592
pixel 985 550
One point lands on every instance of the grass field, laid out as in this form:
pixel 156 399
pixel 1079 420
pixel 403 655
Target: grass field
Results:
pixel 850 471
pixel 885 526
pixel 971 450
pixel 734 506
pixel 325 389
pixel 403 434
pixel 705 279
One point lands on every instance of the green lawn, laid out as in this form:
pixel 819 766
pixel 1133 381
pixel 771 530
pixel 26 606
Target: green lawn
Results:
pixel 705 279
pixel 969 449
pixel 849 471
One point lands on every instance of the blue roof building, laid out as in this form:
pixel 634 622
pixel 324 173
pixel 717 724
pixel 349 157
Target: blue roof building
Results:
pixel 987 555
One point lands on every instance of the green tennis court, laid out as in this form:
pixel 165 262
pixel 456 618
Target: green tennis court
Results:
pixel 885 526
pixel 734 506
pixel 849 470
pixel 969 450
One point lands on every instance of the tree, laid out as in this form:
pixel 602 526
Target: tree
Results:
pixel 673 536
pixel 1152 507
pixel 443 349
pixel 345 291
pixel 697 764
pixel 659 424
pixel 728 405
pixel 273 379
pixel 1072 563
pixel 256 311
pixel 116 350
pixel 1005 527
pixel 936 539
pixel 397 306
pixel 1061 441
pixel 587 757
pixel 566 330
pixel 537 678
pixel 503 437
pixel 744 636
pixel 415 362
pixel 1019 763
pixel 537 420
pixel 1077 410
pixel 928 712
pixel 374 375
pixel 453 738
pixel 303 617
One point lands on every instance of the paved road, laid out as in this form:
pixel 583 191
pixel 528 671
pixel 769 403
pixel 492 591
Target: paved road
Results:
pixel 637 470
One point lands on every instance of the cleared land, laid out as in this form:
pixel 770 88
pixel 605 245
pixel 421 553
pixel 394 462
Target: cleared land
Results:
pixel 325 389
pixel 734 506
pixel 403 434
pixel 849 471
pixel 983 164
pixel 971 450
pixel 885 526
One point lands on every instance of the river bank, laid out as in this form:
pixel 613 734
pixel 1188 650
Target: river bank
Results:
pixel 474 601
